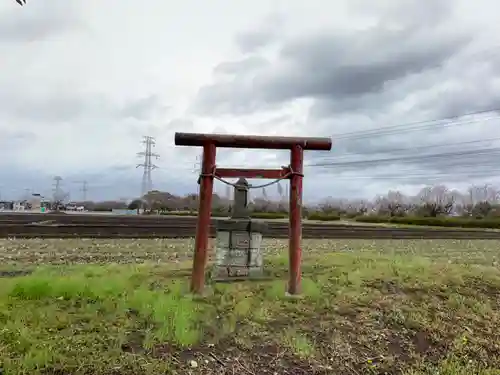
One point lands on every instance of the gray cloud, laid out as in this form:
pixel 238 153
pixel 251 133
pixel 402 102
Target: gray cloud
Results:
pixel 54 105
pixel 180 125
pixel 325 74
pixel 409 13
pixel 337 67
pixel 67 69
pixel 17 136
pixel 263 35
pixel 38 21
pixel 51 106
pixel 250 41
pixel 412 64
pixel 248 65
pixel 144 108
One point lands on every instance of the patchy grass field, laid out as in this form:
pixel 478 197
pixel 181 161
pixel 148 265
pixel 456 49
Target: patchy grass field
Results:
pixel 368 307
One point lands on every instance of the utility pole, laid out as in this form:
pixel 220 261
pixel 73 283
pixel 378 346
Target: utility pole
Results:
pixel 148 154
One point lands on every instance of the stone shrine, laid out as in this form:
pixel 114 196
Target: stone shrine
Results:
pixel 238 242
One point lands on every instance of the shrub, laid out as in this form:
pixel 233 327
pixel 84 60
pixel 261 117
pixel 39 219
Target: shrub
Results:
pixel 179 213
pixel 102 209
pixel 373 219
pixel 135 204
pixel 458 222
pixel 255 215
pixel 350 215
pixel 323 216
pixel 269 215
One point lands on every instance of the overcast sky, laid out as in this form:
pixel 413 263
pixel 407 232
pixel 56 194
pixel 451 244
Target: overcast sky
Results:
pixel 82 81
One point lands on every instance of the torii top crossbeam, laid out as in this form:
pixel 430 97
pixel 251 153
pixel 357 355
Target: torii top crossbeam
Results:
pixel 253 141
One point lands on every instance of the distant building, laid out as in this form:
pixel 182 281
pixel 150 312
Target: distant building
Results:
pixel 45 203
pixel 35 202
pixel 6 205
pixel 19 205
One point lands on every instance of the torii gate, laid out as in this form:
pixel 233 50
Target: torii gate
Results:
pixel 294 172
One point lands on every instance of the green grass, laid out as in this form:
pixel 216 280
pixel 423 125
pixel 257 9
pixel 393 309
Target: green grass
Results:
pixel 367 307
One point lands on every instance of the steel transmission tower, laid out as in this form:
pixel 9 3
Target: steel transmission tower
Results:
pixel 148 154
pixel 59 194
pixel 57 187
pixel 83 189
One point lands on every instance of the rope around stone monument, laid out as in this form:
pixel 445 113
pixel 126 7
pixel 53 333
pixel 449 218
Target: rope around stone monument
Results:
pixel 290 173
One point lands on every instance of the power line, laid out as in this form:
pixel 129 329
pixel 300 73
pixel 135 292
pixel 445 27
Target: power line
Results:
pixel 394 129
pixel 420 122
pixel 427 167
pixel 473 163
pixel 426 124
pixel 424 176
pixel 148 154
pixel 398 129
pixel 465 169
pixel 406 158
pixel 416 148
pixel 413 126
pixel 478 158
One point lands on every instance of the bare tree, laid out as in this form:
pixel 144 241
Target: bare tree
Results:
pixel 264 205
pixel 483 193
pixel 480 200
pixel 458 199
pixel 381 205
pixel 331 205
pixel 436 200
pixel 59 197
pixel 392 204
pixel 358 206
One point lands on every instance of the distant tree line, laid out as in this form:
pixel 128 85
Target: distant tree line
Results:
pixel 479 201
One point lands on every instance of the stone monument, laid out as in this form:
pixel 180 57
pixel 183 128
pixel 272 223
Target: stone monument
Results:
pixel 238 243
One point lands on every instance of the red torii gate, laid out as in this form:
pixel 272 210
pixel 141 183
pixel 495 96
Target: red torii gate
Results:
pixel 294 172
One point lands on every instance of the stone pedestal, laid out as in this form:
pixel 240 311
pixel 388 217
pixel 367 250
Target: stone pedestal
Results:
pixel 238 249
